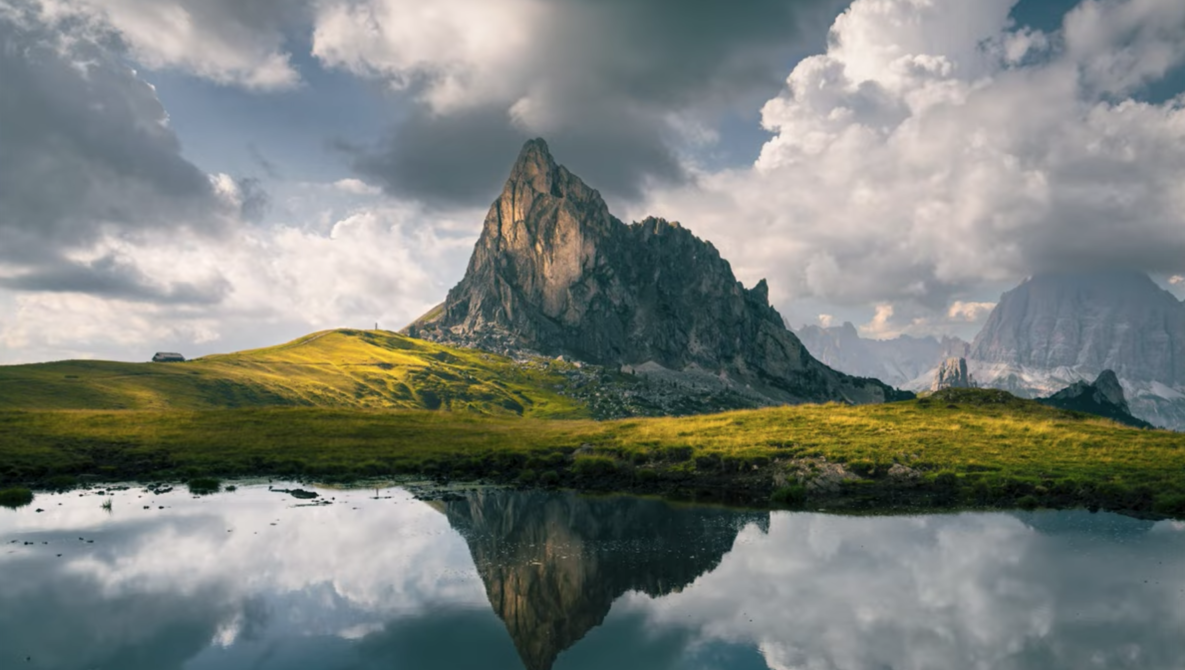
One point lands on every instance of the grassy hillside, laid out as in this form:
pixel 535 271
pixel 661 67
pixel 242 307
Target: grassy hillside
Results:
pixel 955 448
pixel 336 368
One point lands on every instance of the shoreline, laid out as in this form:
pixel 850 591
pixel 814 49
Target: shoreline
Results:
pixel 755 489
pixel 973 450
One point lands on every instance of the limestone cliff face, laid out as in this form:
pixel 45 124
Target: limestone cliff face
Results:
pixel 1057 329
pixel 952 374
pixel 553 563
pixel 555 273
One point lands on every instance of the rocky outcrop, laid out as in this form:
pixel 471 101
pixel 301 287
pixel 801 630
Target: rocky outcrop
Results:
pixel 952 374
pixel 1056 329
pixel 553 272
pixel 168 357
pixel 1103 398
pixel 553 563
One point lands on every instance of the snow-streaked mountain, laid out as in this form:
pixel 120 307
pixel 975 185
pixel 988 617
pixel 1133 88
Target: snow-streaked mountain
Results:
pixel 1058 329
pixel 904 362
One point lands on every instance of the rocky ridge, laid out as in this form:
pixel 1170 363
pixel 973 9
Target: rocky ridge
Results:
pixel 554 273
pixel 1104 398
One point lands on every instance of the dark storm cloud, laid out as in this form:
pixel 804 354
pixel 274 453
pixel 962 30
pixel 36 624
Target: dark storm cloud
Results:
pixel 82 141
pixel 85 152
pixel 607 75
pixel 110 277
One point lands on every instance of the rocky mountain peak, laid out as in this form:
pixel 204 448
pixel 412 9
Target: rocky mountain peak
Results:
pixel 1088 322
pixel 553 272
pixel 1104 397
pixel 952 374
pixel 1109 389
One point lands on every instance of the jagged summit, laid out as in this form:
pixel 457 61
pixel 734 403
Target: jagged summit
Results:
pixel 1104 397
pixel 554 272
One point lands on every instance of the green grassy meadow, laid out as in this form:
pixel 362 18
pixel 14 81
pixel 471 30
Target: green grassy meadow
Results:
pixel 332 369
pixel 953 449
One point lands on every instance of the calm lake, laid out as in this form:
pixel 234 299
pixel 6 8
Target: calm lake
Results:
pixel 500 579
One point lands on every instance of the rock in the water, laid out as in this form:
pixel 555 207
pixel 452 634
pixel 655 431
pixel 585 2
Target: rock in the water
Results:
pixel 952 374
pixel 555 273
pixel 1103 398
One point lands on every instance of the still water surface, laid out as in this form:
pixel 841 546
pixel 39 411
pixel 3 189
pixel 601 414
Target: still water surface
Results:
pixel 257 579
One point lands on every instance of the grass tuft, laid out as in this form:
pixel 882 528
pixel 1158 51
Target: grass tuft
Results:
pixel 201 486
pixel 15 498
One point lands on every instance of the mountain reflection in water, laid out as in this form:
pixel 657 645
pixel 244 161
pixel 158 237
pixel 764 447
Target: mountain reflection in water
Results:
pixel 507 579
pixel 553 564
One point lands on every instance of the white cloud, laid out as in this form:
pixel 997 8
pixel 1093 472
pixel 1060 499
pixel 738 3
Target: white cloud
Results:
pixel 935 147
pixel 235 42
pixel 375 264
pixel 971 312
pixel 1177 280
pixel 826 320
pixel 881 326
pixel 356 187
pixel 469 52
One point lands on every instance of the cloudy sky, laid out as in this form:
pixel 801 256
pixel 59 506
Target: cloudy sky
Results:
pixel 212 175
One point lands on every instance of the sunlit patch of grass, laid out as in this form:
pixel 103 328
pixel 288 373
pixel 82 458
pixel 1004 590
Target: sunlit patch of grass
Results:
pixel 1001 452
pixel 337 368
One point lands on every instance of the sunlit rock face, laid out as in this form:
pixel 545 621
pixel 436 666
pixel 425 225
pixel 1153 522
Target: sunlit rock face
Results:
pixel 553 564
pixel 1056 329
pixel 555 273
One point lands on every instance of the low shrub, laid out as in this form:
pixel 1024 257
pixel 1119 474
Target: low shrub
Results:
pixel 15 498
pixel 61 483
pixel 645 475
pixel 863 467
pixel 528 476
pixel 1170 504
pixel 790 495
pixel 200 486
pixel 1027 502
pixel 593 466
pixel 550 478
pixel 678 454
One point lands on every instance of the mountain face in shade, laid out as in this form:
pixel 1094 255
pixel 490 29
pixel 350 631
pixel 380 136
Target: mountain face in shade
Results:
pixel 555 273
pixel 1102 398
pixel 1054 330
pixel 553 563
pixel 905 361
pixel 952 374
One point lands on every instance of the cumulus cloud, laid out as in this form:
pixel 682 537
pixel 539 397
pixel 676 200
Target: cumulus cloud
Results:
pixel 259 285
pixel 615 86
pixel 826 320
pixel 234 42
pixel 935 146
pixel 971 312
pixel 356 187
pixel 87 155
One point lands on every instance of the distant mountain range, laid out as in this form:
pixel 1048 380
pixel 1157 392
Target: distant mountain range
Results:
pixel 1052 331
pixel 904 362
